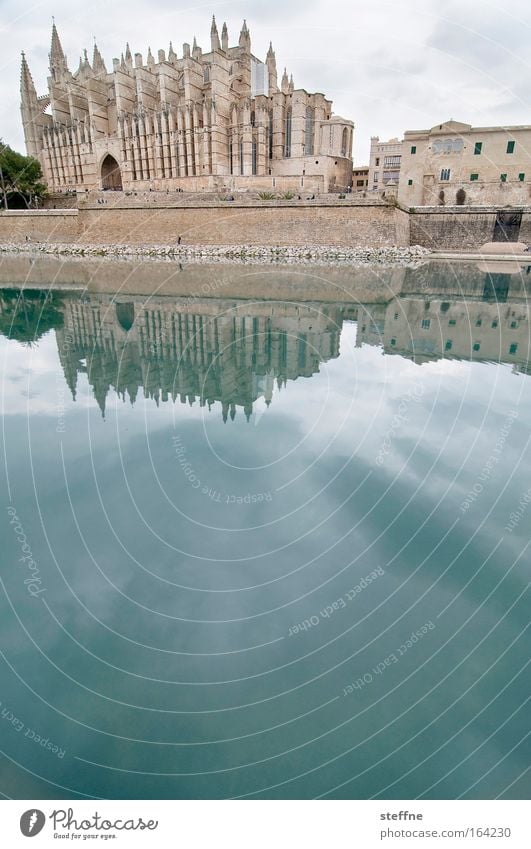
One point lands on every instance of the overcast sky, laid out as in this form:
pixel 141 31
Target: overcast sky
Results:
pixel 389 65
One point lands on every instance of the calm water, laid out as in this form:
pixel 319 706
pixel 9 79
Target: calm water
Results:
pixel 266 548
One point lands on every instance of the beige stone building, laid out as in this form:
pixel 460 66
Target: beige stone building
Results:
pixel 199 121
pixel 456 164
pixel 384 163
pixel 360 178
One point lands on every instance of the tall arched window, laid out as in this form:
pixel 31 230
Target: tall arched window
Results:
pixel 255 155
pixel 287 141
pixel 241 156
pixel 344 141
pixel 206 73
pixel 308 132
pixel 230 157
pixel 271 134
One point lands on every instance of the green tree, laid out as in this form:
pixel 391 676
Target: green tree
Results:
pixel 20 178
pixel 26 315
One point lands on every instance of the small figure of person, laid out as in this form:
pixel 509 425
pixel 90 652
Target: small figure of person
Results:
pixel 179 240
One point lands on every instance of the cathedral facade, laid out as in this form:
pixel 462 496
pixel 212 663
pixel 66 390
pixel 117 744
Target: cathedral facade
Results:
pixel 203 121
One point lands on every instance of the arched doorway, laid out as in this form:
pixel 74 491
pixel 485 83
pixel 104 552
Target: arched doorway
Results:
pixel 111 177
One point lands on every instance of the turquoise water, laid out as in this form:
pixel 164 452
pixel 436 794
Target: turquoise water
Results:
pixel 267 548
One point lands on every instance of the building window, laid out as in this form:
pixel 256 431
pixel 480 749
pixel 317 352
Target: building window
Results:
pixel 392 161
pixel 448 345
pixel 241 156
pixel 206 73
pixel 445 174
pixel 396 316
pixel 308 132
pixel 253 118
pixel 513 347
pixel 414 149
pixel 478 322
pixel 476 346
pixel 452 322
pixel 393 341
pixel 447 146
pixel 514 325
pixel 474 177
pixel 360 182
pixel 521 177
pixel 510 146
pixel 254 160
pixel 271 134
pixel 287 143
pixel 377 162
pixel 410 182
pixel 494 323
pixel 426 322
pixel 390 175
pixel 503 178
pixel 477 148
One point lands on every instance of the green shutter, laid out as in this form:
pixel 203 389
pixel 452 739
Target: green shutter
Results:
pixel 510 146
pixel 477 148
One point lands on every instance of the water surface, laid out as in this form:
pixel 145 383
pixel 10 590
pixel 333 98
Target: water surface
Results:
pixel 264 545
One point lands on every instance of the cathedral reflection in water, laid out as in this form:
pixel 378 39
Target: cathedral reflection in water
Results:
pixel 236 351
pixel 204 352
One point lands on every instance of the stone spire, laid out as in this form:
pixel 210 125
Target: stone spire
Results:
pixel 271 63
pixel 84 71
pixel 98 65
pixel 285 83
pixel 150 59
pixel 214 37
pixel 128 57
pixel 27 86
pixel 172 55
pixel 196 51
pixel 123 66
pixel 58 65
pixel 291 84
pixel 29 107
pixel 245 38
pixel 225 37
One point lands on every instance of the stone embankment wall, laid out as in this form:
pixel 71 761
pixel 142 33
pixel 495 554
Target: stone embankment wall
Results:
pixel 231 224
pixel 459 228
pixel 61 225
pixel 221 224
pixel 251 222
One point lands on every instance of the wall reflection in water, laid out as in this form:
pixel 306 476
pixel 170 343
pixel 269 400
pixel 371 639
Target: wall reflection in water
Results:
pixel 233 352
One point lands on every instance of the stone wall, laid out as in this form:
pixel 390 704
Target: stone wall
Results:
pixel 460 228
pixel 231 224
pixel 251 222
pixel 52 225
